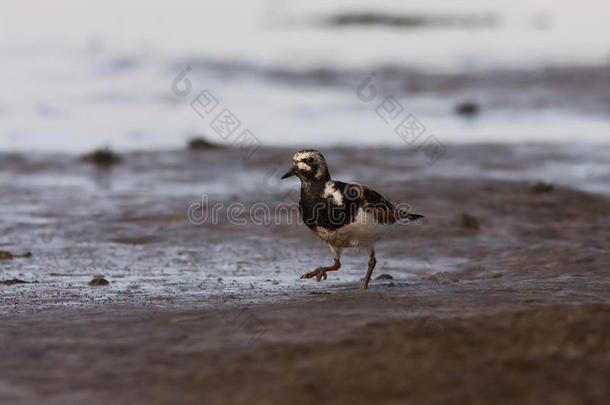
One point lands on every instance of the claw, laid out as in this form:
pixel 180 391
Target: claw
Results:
pixel 317 273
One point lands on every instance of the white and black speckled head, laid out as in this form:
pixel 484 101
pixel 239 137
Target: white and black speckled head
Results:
pixel 309 165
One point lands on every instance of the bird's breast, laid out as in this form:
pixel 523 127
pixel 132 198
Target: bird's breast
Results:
pixel 363 231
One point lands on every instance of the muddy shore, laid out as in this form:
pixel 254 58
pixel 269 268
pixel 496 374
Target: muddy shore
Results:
pixel 345 348
pixel 500 295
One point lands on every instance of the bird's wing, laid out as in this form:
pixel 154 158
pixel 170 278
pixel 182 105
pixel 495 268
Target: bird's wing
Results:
pixel 370 200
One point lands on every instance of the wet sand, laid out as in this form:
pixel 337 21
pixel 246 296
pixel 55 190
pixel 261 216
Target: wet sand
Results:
pixel 508 304
pixel 449 344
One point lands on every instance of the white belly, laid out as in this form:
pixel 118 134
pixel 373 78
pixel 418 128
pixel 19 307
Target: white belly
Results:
pixel 362 233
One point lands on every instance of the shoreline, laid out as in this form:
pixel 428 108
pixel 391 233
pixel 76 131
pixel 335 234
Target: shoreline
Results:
pixel 504 287
pixel 130 223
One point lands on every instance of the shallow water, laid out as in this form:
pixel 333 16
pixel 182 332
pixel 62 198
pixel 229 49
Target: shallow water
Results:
pixel 131 223
pixel 539 72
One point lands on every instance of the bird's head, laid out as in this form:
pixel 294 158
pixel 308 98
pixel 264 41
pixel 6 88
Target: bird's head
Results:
pixel 308 165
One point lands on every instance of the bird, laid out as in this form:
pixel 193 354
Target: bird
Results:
pixel 343 215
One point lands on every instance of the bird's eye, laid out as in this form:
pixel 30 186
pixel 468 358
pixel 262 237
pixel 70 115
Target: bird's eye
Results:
pixel 310 160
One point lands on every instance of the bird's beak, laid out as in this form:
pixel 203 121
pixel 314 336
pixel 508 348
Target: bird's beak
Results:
pixel 289 173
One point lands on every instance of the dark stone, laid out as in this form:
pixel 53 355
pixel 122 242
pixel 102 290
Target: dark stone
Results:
pixel 13 282
pixel 201 143
pixel 467 108
pixel 98 282
pixel 469 222
pixel 102 157
pixel 542 187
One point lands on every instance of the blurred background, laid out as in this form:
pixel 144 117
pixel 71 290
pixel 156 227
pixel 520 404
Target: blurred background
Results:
pixel 78 75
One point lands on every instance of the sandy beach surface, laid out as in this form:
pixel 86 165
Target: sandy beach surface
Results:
pixel 500 295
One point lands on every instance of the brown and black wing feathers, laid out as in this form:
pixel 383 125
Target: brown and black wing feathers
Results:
pixel 371 201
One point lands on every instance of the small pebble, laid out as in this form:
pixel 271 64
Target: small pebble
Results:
pixel 467 108
pixel 98 282
pixel 13 282
pixel 469 222
pixel 201 143
pixel 102 157
pixel 542 187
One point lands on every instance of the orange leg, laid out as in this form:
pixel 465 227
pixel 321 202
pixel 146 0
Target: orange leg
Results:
pixel 320 272
pixel 369 272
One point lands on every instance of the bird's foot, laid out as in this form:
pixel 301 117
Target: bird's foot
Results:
pixel 317 273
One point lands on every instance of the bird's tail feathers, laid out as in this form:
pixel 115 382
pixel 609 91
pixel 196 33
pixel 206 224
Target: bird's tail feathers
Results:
pixel 405 216
pixel 414 217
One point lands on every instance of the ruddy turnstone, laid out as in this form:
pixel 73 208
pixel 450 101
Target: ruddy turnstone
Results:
pixel 343 215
